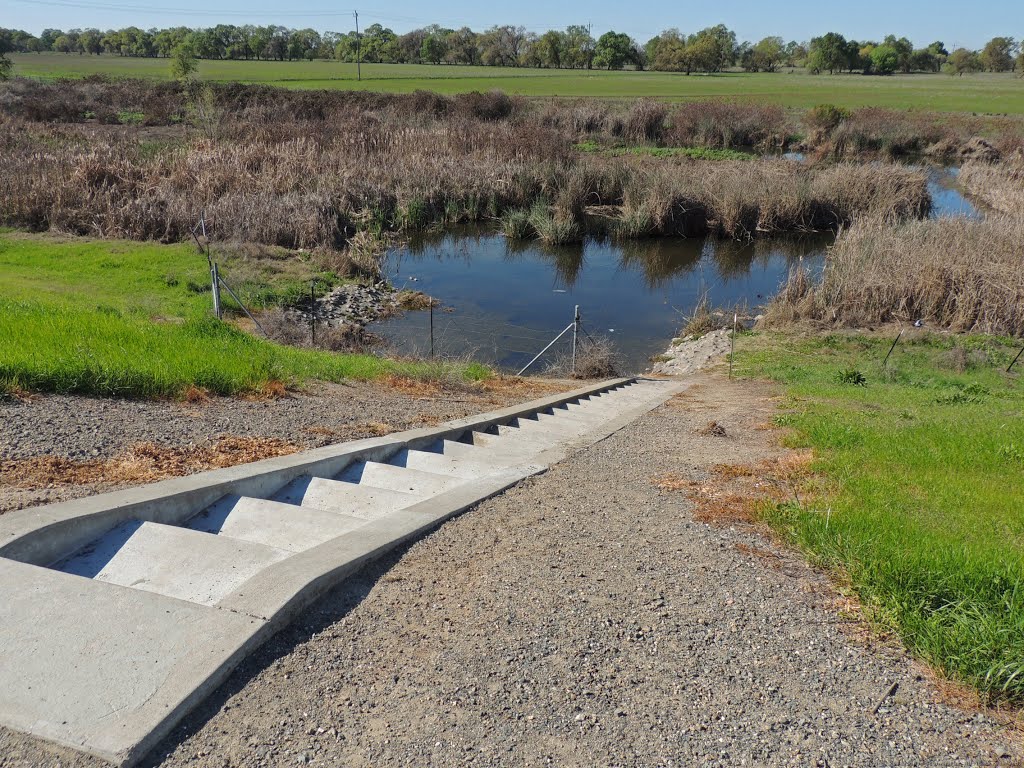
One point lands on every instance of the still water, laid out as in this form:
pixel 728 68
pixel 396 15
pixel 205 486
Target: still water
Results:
pixel 502 301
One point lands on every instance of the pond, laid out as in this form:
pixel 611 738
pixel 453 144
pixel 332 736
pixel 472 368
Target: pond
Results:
pixel 503 301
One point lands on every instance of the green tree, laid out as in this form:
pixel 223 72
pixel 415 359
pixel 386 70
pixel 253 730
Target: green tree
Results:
pixel 904 50
pixel 884 60
pixel 550 47
pixel 962 60
pixel 998 53
pixel 6 65
pixel 183 60
pixel 767 54
pixel 613 51
pixel 434 48
pixel 463 47
pixel 579 47
pixel 827 52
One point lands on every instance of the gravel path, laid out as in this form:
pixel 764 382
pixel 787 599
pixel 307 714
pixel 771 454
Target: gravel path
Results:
pixel 584 618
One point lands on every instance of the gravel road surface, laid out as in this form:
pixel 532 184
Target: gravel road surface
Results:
pixel 584 618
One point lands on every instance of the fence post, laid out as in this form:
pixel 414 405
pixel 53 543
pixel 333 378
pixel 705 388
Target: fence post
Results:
pixel 894 343
pixel 575 336
pixel 732 354
pixel 312 312
pixel 1010 366
pixel 215 280
pixel 431 329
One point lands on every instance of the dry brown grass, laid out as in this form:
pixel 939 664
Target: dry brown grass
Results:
pixel 332 171
pixel 1000 187
pixel 959 274
pixel 142 463
pixel 733 492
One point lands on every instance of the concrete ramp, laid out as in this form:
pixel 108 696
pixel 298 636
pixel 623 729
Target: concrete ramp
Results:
pixel 119 613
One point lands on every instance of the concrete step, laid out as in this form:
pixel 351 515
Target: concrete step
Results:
pixel 171 561
pixel 274 523
pixel 439 463
pixel 392 478
pixel 506 452
pixel 344 498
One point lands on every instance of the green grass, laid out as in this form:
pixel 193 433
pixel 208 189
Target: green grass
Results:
pixel 986 93
pixel 126 319
pixel 923 508
pixel 696 153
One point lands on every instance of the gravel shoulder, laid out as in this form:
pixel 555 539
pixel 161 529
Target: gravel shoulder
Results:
pixel 585 617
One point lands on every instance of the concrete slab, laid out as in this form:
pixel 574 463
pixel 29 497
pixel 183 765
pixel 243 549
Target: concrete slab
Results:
pixel 274 523
pixel 171 561
pixel 103 668
pixel 392 478
pixel 344 498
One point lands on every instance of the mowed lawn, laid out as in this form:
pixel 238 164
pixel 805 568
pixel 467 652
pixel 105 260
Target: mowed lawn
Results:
pixel 117 318
pixel 984 93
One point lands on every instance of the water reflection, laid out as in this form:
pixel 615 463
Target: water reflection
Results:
pixel 504 301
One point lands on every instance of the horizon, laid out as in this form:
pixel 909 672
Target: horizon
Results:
pixel 922 27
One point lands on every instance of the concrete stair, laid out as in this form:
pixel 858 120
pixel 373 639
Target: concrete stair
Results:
pixel 247 548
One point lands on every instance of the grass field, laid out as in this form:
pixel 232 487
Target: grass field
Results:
pixel 984 93
pixel 134 320
pixel 922 506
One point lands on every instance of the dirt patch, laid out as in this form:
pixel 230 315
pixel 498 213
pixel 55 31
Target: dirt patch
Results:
pixel 142 463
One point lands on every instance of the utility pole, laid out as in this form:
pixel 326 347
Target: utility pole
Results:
pixel 359 49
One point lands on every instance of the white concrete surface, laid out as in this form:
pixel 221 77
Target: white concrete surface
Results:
pixel 274 523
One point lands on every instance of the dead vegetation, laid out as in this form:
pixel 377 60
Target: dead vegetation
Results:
pixel 999 186
pixel 733 493
pixel 339 170
pixel 959 274
pixel 142 463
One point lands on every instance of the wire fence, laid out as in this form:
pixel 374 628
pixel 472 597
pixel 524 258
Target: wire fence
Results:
pixel 519 347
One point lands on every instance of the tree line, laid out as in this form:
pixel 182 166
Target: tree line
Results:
pixel 710 50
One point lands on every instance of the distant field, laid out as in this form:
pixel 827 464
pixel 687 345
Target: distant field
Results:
pixel 975 93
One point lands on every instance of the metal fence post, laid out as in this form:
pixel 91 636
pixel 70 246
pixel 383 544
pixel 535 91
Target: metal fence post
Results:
pixel 575 335
pixel 431 329
pixel 732 354
pixel 215 280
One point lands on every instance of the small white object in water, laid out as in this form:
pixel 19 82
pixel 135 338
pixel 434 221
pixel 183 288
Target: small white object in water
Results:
pixel 559 290
pixel 611 330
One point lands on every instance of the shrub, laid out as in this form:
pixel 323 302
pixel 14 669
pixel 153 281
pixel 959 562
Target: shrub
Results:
pixel 724 124
pixel 645 121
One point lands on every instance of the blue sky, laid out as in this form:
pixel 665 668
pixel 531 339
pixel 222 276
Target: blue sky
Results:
pixel 946 20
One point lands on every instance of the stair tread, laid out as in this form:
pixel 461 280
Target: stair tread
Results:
pixel 341 497
pixel 449 465
pixel 390 477
pixel 172 561
pixel 274 523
